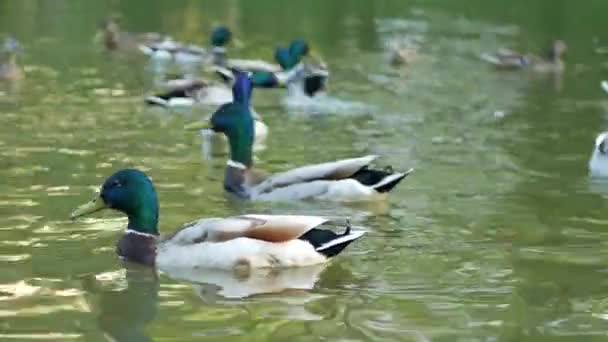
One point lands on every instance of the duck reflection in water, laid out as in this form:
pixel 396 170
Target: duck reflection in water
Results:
pixel 124 313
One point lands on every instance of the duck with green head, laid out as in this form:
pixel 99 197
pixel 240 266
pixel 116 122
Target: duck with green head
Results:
pixel 301 72
pixel 505 59
pixel 214 55
pixel 10 70
pixel 343 180
pixel 246 241
pixel 184 93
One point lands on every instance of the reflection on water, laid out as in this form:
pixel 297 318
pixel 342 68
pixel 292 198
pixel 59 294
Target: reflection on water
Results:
pixel 123 313
pixel 500 235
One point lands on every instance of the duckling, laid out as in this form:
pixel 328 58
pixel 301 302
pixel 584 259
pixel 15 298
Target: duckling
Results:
pixel 510 60
pixel 10 71
pixel 598 164
pixel 343 180
pixel 234 243
pixel 112 38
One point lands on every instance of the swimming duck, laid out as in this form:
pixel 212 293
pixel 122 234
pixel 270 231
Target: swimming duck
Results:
pixel 238 242
pixel 343 180
pixel 190 92
pixel 604 85
pixel 598 164
pixel 9 68
pixel 510 60
pixel 112 38
pixel 402 56
pixel 300 72
pixel 170 50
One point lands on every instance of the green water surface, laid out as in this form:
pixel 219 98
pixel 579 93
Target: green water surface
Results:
pixel 499 235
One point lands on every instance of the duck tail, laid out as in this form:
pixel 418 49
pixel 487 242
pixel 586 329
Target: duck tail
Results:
pixel 156 101
pixel 389 182
pixel 380 180
pixel 333 247
pixel 489 58
pixel 329 243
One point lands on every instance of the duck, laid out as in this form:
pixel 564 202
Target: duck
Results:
pixel 604 86
pixel 505 59
pixel 215 55
pixel 187 92
pixel 403 56
pixel 301 72
pixel 184 92
pixel 10 70
pixel 110 35
pixel 343 180
pixel 244 242
pixel 598 163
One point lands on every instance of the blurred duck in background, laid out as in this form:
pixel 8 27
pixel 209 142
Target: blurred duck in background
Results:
pixel 10 70
pixel 112 38
pixel 505 59
pixel 598 164
pixel 215 55
pixel 301 72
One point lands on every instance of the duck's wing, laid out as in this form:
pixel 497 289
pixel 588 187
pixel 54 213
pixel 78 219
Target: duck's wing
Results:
pixel 271 228
pixel 184 84
pixel 504 60
pixel 326 171
pixel 252 65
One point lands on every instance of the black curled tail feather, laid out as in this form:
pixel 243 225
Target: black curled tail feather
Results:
pixel 381 180
pixel 329 243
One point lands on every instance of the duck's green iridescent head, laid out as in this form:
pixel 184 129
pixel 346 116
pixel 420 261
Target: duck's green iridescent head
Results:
pixel 283 58
pixel 236 121
pixel 131 192
pixel 220 36
pixel 298 48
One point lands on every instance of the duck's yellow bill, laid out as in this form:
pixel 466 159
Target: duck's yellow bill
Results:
pixel 198 125
pixel 95 205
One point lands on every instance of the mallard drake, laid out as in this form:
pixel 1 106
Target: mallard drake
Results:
pixel 215 55
pixel 9 68
pixel 300 74
pixel 344 180
pixel 598 164
pixel 604 85
pixel 112 38
pixel 191 92
pixel 510 60
pixel 246 241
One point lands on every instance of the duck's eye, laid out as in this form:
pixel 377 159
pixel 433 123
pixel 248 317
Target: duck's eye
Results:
pixel 116 184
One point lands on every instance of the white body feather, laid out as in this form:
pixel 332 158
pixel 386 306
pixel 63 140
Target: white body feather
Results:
pixel 605 86
pixel 197 245
pixel 307 183
pixel 252 65
pixel 598 164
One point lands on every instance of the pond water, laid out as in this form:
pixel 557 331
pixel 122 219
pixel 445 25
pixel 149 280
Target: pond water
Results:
pixel 499 235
